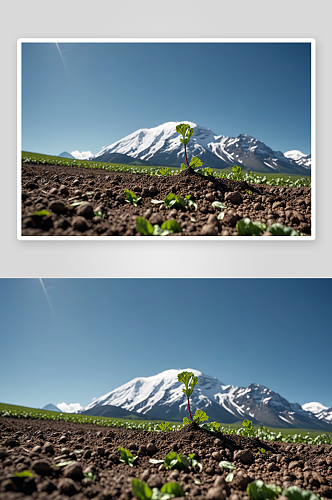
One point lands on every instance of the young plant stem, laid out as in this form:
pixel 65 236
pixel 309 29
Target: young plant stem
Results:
pixel 185 153
pixel 191 418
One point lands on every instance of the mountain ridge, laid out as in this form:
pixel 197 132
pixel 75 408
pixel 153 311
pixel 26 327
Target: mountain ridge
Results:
pixel 161 397
pixel 161 146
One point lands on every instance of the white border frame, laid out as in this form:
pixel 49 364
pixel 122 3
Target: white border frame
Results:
pixel 312 41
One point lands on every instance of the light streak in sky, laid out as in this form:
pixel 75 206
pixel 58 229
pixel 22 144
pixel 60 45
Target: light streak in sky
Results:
pixel 62 59
pixel 46 294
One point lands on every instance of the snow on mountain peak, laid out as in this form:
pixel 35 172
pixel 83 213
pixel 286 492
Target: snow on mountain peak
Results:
pixel 161 145
pixel 314 407
pixel 294 154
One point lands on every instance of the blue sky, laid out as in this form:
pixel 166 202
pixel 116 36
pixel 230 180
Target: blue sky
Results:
pixel 84 96
pixel 72 340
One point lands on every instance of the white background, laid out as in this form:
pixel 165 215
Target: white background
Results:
pixel 165 19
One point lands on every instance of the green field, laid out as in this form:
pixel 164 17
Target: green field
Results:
pixel 289 180
pixel 270 434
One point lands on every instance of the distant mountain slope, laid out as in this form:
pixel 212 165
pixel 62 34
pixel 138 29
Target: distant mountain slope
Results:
pixel 161 396
pixel 161 146
pixel 322 412
pixel 123 159
pixel 115 412
pixel 65 154
pixel 51 407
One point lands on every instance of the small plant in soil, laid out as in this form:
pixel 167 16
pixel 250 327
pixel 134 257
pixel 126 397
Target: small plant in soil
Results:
pixel 170 490
pixel 189 380
pixel 258 490
pixel 89 475
pixel 246 227
pixel 207 171
pixel 145 228
pixel 24 473
pixel 186 131
pixel 249 430
pixel 200 416
pixel 237 173
pixel 296 493
pixel 41 213
pixel 164 427
pixel 226 465
pixel 174 201
pixel 131 197
pixel 163 172
pixel 218 204
pixel 126 456
pixel 177 461
pixel 229 477
pixel 99 214
pixel 280 230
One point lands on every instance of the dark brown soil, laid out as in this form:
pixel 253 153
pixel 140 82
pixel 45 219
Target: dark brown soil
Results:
pixel 38 445
pixel 43 186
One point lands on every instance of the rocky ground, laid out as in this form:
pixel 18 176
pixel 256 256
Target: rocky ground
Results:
pixel 55 188
pixel 38 445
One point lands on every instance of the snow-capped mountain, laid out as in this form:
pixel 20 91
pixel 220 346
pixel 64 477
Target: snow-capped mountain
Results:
pixel 300 158
pixel 322 412
pixel 161 397
pixel 161 145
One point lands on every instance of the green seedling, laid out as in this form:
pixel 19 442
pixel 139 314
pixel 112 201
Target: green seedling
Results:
pixel 280 230
pixel 41 213
pixel 189 380
pixel 164 426
pixel 200 416
pixel 229 477
pixel 89 475
pixel 186 131
pixel 177 461
pixel 211 426
pixel 237 173
pixel 25 473
pixel 174 201
pixel 245 227
pixel 131 197
pixel 295 493
pixel 249 193
pixel 260 491
pixel 207 171
pixel 249 430
pixel 170 490
pixel 145 228
pixel 164 171
pixel 227 465
pixel 194 163
pixel 261 450
pixel 126 457
pixel 99 214
pixel 214 426
pixel 218 204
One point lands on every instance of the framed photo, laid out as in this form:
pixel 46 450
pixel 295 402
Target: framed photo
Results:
pixel 184 138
